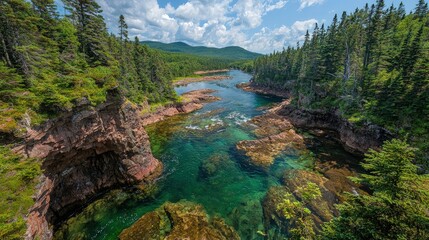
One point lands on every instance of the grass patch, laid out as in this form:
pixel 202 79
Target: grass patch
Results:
pixel 18 177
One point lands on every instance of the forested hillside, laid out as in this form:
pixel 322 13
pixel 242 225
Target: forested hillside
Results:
pixel 183 65
pixel 371 65
pixel 231 53
pixel 49 62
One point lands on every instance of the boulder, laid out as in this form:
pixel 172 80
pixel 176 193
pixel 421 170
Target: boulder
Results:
pixel 182 220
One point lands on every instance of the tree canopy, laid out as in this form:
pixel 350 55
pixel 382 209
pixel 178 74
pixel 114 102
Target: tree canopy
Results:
pixel 371 65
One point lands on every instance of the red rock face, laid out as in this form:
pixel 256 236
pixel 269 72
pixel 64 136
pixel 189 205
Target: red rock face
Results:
pixel 354 139
pixel 86 152
pixel 191 101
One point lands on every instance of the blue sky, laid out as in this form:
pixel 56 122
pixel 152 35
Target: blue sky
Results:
pixel 257 25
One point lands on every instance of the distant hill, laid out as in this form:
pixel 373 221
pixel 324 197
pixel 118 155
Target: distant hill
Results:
pixel 233 53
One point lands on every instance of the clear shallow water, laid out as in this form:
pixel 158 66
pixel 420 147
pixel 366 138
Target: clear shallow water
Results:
pixel 201 165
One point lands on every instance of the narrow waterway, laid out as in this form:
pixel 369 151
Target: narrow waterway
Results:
pixel 201 165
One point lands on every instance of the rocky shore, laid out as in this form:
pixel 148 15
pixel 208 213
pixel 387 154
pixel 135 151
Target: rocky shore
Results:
pixel 186 81
pixel 248 87
pixel 355 139
pixel 191 101
pixel 211 71
pixel 277 134
pixel 91 150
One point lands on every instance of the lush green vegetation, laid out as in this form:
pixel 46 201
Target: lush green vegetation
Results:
pixel 297 213
pixel 231 53
pixel 48 63
pixel 371 66
pixel 243 65
pixel 397 208
pixel 184 65
pixel 18 181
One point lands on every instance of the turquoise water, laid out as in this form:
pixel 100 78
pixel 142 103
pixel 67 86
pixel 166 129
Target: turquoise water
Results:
pixel 201 165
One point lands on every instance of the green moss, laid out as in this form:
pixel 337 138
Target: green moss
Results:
pixel 19 178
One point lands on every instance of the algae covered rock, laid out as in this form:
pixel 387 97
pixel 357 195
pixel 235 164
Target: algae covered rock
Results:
pixel 182 220
pixel 247 219
pixel 262 152
pixel 332 184
pixel 210 166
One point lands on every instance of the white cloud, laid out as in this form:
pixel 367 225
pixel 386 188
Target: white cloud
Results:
pixel 205 22
pixel 267 40
pixel 309 3
pixel 250 12
pixel 302 26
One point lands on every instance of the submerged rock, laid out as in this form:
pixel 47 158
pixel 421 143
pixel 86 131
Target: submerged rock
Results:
pixel 182 220
pixel 332 184
pixel 270 124
pixel 247 219
pixel 262 152
pixel 212 165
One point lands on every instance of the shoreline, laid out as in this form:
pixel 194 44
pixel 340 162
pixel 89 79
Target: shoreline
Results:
pixel 192 101
pixel 248 87
pixel 187 80
pixel 356 140
pixel 211 71
pixel 114 138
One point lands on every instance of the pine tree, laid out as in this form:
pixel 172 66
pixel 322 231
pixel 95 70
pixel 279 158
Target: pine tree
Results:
pixel 47 9
pixel 123 29
pixel 421 9
pixel 91 29
pixel 396 209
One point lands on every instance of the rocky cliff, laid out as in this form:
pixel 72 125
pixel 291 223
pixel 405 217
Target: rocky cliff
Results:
pixel 91 150
pixel 355 139
pixel 86 152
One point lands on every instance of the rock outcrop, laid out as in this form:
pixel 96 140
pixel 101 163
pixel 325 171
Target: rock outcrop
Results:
pixel 191 101
pixel 86 152
pixel 355 139
pixel 262 152
pixel 252 87
pixel 332 184
pixel 90 150
pixel 276 135
pixel 182 220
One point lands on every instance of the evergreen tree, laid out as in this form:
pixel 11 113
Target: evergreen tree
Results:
pixel 47 9
pixel 364 66
pixel 123 29
pixel 397 209
pixel 421 9
pixel 91 29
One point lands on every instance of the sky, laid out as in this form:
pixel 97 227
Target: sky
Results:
pixel 261 26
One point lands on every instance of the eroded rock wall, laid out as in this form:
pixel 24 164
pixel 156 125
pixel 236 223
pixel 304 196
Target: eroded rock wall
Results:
pixel 86 152
pixel 355 139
